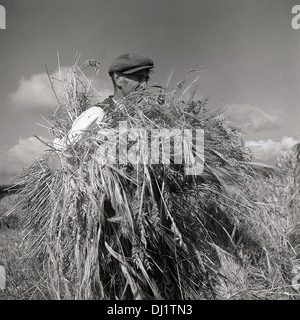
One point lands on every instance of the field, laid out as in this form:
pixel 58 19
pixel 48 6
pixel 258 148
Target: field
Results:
pixel 273 275
pixel 94 231
pixel 22 283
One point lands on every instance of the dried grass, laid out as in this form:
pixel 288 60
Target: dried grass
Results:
pixel 145 231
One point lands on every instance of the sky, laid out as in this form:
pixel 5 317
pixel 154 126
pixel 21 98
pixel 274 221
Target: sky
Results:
pixel 248 53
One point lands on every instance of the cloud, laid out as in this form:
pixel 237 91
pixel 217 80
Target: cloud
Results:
pixel 35 92
pixel 27 149
pixel 268 151
pixel 14 158
pixel 252 117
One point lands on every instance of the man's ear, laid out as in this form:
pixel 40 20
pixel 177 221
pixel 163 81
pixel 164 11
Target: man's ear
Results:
pixel 118 79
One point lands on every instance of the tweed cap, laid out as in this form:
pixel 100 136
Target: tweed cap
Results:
pixel 129 63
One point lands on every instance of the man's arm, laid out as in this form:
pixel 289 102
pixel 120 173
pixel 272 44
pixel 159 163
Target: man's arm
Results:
pixel 80 126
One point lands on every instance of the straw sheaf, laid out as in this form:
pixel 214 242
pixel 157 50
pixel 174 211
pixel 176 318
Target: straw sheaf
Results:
pixel 112 231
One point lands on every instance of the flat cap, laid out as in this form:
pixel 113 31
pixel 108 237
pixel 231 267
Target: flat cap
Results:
pixel 129 63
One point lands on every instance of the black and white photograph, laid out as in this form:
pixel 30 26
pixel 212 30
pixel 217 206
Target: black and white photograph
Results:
pixel 149 151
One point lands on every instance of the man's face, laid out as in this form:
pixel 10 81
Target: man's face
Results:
pixel 128 83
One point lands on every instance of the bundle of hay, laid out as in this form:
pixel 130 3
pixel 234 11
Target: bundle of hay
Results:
pixel 109 230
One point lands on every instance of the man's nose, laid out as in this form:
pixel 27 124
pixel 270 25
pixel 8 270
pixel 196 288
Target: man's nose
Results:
pixel 143 84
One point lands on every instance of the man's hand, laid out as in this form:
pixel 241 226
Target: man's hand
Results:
pixel 53 162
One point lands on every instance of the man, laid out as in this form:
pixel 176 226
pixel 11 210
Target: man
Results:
pixel 129 72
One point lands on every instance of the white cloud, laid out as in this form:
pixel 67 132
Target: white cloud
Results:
pixel 27 149
pixel 268 151
pixel 13 159
pixel 251 116
pixel 35 93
